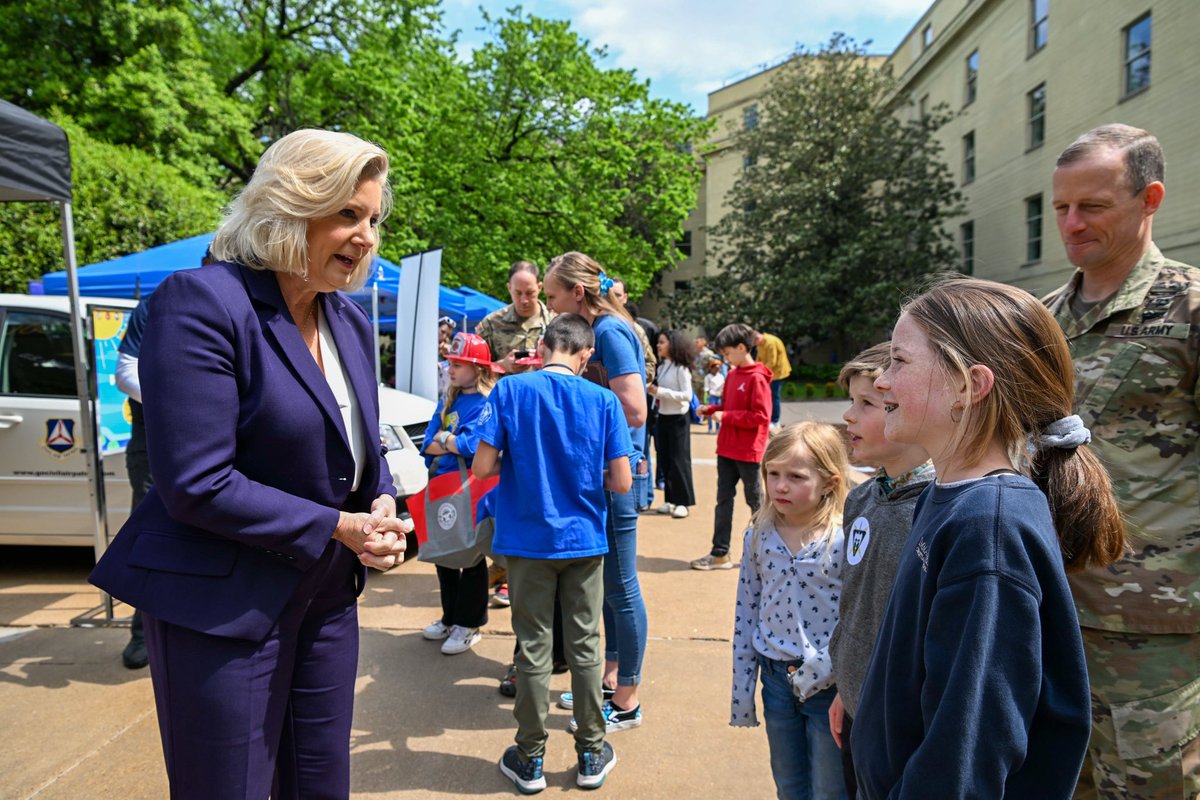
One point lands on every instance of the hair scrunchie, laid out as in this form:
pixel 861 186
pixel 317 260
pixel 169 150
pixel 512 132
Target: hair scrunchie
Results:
pixel 1066 433
pixel 606 283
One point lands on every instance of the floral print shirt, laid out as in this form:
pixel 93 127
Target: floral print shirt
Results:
pixel 787 608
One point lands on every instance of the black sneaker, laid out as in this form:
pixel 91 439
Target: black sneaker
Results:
pixel 134 655
pixel 615 719
pixel 508 684
pixel 527 775
pixel 595 766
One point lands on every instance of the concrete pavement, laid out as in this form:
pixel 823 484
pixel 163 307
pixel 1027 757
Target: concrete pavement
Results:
pixel 76 724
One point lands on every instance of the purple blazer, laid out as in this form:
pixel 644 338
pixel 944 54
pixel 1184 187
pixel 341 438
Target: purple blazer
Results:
pixel 248 450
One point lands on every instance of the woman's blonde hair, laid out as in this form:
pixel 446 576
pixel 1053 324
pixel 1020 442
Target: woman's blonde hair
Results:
pixel 485 381
pixel 306 175
pixel 576 269
pixel 971 321
pixel 822 445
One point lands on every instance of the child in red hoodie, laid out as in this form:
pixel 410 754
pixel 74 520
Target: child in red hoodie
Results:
pixel 745 417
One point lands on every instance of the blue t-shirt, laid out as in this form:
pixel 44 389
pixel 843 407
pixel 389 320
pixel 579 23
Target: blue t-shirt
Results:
pixel 556 433
pixel 131 343
pixel 461 422
pixel 618 352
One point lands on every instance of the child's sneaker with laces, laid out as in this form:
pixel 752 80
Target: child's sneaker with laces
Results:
pixel 500 598
pixel 615 719
pixel 567 699
pixel 710 562
pixel 594 767
pixel 435 631
pixel 527 775
pixel 460 640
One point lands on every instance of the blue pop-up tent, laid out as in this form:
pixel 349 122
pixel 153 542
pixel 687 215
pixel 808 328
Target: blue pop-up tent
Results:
pixel 140 273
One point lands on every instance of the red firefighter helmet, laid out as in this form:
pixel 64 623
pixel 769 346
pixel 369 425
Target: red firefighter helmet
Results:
pixel 470 348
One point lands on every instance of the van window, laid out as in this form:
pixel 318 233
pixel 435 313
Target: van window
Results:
pixel 36 357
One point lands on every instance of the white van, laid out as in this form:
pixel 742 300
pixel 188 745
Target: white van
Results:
pixel 44 495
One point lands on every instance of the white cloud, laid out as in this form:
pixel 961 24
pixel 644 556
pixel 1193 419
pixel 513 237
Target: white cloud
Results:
pixel 703 43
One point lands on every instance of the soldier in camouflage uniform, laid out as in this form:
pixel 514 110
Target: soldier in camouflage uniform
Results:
pixel 519 325
pixel 1133 321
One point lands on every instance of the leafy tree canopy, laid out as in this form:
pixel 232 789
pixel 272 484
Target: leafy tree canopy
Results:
pixel 528 148
pixel 839 212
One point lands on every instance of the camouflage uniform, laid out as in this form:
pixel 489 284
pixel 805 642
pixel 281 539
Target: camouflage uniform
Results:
pixel 1136 360
pixel 504 331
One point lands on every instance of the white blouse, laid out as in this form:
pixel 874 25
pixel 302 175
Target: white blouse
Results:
pixel 674 389
pixel 339 384
pixel 787 608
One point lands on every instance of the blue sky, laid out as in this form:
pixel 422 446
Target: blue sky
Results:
pixel 688 48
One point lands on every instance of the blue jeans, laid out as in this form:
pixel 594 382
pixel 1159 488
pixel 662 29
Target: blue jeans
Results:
pixel 805 761
pixel 776 400
pixel 624 608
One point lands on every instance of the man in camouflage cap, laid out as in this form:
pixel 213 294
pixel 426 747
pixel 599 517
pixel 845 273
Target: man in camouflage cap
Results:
pixel 1133 321
pixel 517 327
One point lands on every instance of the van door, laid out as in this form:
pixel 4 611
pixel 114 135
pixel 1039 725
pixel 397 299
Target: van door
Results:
pixel 44 493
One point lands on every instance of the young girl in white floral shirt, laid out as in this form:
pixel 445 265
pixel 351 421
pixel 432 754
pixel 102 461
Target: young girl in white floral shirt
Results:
pixel 787 604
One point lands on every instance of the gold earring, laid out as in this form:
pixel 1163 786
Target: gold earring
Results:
pixel 959 407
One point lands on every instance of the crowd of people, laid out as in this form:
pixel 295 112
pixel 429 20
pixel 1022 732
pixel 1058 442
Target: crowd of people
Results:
pixel 1008 607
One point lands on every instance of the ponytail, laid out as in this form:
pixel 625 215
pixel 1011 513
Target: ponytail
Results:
pixel 1077 487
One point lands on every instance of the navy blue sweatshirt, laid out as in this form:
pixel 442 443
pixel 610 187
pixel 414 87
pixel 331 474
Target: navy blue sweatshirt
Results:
pixel 977 686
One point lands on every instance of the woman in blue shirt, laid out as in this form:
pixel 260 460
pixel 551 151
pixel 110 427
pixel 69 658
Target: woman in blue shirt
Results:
pixel 575 283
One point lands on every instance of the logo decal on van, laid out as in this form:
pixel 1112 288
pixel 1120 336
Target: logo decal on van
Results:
pixel 60 438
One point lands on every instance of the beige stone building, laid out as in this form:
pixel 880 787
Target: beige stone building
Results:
pixel 1025 78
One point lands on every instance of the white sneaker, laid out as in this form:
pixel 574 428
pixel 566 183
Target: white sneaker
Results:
pixel 679 512
pixel 665 508
pixel 460 640
pixel 436 630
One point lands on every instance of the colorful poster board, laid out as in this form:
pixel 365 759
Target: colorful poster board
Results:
pixel 113 421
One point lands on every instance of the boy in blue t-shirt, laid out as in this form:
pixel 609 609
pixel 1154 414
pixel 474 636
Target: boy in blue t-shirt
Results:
pixel 558 442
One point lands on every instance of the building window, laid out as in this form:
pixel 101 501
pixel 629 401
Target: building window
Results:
pixel 750 117
pixel 1033 229
pixel 1137 56
pixel 684 245
pixel 967 233
pixel 1037 116
pixel 1039 20
pixel 968 169
pixel 927 36
pixel 972 77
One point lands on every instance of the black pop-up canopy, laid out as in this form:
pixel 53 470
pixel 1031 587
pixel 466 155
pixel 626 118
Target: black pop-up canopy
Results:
pixel 35 166
pixel 35 162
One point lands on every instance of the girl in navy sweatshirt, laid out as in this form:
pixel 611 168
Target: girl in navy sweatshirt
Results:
pixel 977 686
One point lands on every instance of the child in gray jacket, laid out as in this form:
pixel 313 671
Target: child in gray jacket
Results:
pixel 877 518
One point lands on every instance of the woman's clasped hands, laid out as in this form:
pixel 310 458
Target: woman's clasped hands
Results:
pixel 378 538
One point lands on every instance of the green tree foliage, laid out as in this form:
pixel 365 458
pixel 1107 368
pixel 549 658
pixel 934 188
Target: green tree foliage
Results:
pixel 525 150
pixel 129 73
pixel 550 152
pixel 840 211
pixel 125 201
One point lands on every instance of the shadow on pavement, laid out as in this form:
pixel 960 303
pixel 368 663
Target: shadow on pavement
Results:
pixel 45 657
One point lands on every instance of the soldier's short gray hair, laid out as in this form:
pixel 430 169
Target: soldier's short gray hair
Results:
pixel 1144 161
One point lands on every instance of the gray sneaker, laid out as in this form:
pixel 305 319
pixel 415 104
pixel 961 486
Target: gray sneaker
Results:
pixel 594 767
pixel 710 562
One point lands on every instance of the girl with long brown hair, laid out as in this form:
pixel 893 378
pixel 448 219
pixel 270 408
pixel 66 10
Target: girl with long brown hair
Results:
pixel 978 684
